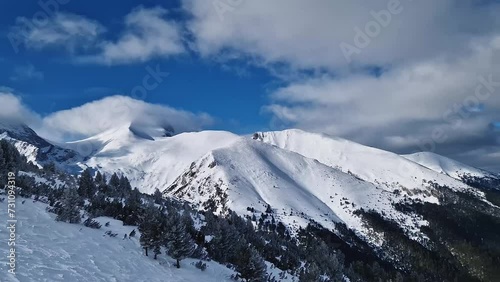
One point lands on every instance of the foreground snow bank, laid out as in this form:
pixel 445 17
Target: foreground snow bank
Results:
pixel 47 250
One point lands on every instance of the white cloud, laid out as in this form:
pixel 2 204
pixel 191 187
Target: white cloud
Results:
pixel 148 35
pixel 65 30
pixel 405 107
pixel 114 111
pixel 13 110
pixel 308 34
pixel 26 72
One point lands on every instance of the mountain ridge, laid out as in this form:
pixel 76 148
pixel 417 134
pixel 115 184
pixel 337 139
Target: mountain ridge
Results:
pixel 136 152
pixel 254 175
pixel 295 181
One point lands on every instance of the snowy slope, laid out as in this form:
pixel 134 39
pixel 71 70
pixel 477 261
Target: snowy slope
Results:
pixel 446 165
pixel 254 174
pixel 55 251
pixel 149 162
pixel 382 168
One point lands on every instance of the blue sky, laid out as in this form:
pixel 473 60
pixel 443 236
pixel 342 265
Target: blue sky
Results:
pixel 386 73
pixel 194 84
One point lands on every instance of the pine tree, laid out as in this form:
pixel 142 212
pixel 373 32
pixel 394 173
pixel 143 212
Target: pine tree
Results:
pixel 134 199
pixel 179 243
pixel 252 266
pixel 50 167
pixel 188 222
pixel 124 186
pixel 98 178
pixel 152 230
pixel 310 273
pixel 69 210
pixel 114 182
pixel 104 179
pixel 226 243
pixel 157 196
pixel 132 208
pixel 86 186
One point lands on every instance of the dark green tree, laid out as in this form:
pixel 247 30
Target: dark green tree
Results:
pixel 152 228
pixel 69 210
pixel 178 241
pixel 86 185
pixel 251 266
pixel 157 196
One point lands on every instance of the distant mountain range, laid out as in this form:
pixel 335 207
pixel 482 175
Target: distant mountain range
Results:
pixel 303 176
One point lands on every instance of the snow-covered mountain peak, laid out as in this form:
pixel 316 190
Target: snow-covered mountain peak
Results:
pixel 377 166
pixel 149 163
pixel 119 139
pixel 252 175
pixel 110 140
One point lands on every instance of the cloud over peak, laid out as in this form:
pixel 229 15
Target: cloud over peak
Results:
pixel 114 111
pixel 101 115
